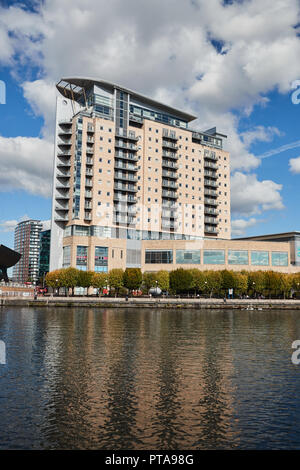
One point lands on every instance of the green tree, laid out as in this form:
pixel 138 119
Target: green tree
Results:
pixel 198 280
pixel 227 280
pixel 181 280
pixel 69 278
pixel 85 279
pixel 163 280
pixel 149 280
pixel 54 279
pixel 256 282
pixel 212 282
pixel 132 278
pixel 241 282
pixel 99 281
pixel 115 279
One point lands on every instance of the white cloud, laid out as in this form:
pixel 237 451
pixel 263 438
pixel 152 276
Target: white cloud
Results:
pixel 250 196
pixel 10 225
pixel 295 165
pixel 164 50
pixel 239 226
pixel 26 164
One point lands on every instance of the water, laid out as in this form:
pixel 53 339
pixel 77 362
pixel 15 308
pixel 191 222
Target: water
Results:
pixel 149 379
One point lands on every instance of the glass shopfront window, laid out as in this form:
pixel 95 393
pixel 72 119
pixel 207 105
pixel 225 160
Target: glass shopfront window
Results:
pixel 238 257
pixel 260 258
pixel 101 259
pixel 159 257
pixel 213 257
pixel 66 256
pixel 188 256
pixel 280 258
pixel 81 257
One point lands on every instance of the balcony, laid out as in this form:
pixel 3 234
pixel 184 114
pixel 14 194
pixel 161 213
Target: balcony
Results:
pixel 211 230
pixel 168 164
pixel 210 211
pixel 210 183
pixel 126 146
pixel 89 161
pixel 168 214
pixel 129 199
pixel 169 205
pixel 169 135
pixel 210 192
pixel 210 156
pixel 64 142
pixel 210 174
pixel 88 206
pixel 168 225
pixel 125 209
pixel 127 136
pixel 125 177
pixel 125 187
pixel 63 186
pixel 169 145
pixel 210 202
pixel 169 174
pixel 169 184
pixel 88 172
pixel 87 216
pixel 65 164
pixel 169 194
pixel 211 220
pixel 90 129
pixel 62 197
pixel 65 175
pixel 64 208
pixel 123 166
pixel 213 166
pixel 90 140
pixel 169 155
pixel 88 183
pixel 58 218
pixel 126 156
pixel 124 220
pixel 134 118
pixel 64 153
pixel 88 195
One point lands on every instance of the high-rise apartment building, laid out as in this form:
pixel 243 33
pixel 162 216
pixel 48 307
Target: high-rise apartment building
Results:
pixel 129 169
pixel 27 242
pixel 44 257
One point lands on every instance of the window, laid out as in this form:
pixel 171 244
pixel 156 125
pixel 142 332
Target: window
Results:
pixel 66 256
pixel 213 257
pixel 237 257
pixel 188 257
pixel 279 258
pixel 81 258
pixel 101 259
pixel 260 258
pixel 159 257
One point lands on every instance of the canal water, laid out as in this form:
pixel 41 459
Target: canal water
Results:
pixel 88 378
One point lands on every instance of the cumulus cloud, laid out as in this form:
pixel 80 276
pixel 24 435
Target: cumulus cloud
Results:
pixel 167 50
pixel 250 196
pixel 26 164
pixel 239 226
pixel 295 165
pixel 10 225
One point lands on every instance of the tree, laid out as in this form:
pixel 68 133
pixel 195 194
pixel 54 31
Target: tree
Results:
pixel 132 278
pixel 180 280
pixel 69 278
pixel 85 278
pixel 212 282
pixel 54 279
pixel 256 282
pixel 241 282
pixel 163 280
pixel 198 280
pixel 227 280
pixel 115 279
pixel 149 280
pixel 99 281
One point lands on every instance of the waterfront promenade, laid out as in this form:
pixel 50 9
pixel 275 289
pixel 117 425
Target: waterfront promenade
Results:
pixel 142 302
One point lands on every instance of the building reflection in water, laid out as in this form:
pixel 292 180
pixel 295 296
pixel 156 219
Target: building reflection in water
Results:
pixel 134 379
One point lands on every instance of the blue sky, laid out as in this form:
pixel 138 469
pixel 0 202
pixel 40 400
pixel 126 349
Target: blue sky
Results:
pixel 230 63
